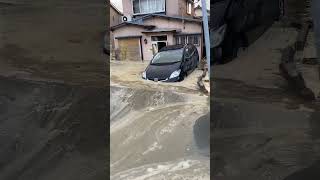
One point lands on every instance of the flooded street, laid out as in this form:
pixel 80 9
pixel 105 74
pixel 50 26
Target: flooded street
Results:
pixel 48 129
pixel 53 95
pixel 158 131
pixel 260 129
pixel 263 141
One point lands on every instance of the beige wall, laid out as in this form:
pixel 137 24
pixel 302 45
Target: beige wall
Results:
pixel 187 27
pixel 198 12
pixel 183 9
pixel 127 7
pixel 173 8
pixel 115 17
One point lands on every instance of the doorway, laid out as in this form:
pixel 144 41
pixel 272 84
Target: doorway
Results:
pixel 158 42
pixel 156 46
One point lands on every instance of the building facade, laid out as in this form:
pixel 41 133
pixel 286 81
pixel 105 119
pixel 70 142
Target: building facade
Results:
pixel 198 12
pixel 115 19
pixel 115 15
pixel 153 24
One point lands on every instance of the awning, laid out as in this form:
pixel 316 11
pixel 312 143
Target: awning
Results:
pixel 126 37
pixel 162 30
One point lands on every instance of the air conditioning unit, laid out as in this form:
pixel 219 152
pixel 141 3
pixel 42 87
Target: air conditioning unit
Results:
pixel 126 18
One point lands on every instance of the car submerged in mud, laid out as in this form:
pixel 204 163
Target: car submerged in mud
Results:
pixel 238 23
pixel 172 63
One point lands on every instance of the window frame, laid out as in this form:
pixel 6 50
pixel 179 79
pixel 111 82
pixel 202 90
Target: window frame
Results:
pixel 189 3
pixel 198 40
pixel 142 13
pixel 186 39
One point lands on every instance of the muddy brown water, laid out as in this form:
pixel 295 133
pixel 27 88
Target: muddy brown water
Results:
pixel 158 134
pixel 262 133
pixel 297 10
pixel 262 141
pixel 52 131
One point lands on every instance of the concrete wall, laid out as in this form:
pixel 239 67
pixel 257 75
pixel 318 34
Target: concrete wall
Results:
pixel 127 7
pixel 173 8
pixel 198 12
pixel 115 17
pixel 187 27
pixel 183 9
pixel 126 31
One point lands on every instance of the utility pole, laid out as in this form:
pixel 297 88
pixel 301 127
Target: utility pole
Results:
pixel 206 32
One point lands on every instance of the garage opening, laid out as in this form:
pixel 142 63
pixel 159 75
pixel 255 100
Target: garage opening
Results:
pixel 130 49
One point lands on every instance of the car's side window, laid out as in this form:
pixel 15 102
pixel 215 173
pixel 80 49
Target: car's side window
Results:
pixel 196 55
pixel 187 54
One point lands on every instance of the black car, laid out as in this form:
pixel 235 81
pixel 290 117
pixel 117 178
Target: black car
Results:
pixel 172 63
pixel 237 23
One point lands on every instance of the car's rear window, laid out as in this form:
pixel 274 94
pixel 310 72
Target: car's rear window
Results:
pixel 169 56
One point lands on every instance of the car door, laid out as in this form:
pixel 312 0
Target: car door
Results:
pixel 195 58
pixel 192 58
pixel 185 61
pixel 188 58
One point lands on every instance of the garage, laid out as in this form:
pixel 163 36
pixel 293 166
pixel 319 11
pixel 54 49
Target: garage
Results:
pixel 130 48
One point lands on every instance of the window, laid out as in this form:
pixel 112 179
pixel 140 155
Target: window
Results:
pixel 182 40
pixel 148 6
pixel 188 39
pixel 136 6
pixel 189 7
pixel 196 41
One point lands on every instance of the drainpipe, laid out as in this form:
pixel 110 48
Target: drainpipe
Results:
pixel 206 32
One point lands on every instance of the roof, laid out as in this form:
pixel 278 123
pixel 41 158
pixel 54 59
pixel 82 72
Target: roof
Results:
pixel 116 9
pixel 131 24
pixel 162 30
pixel 125 37
pixel 139 21
pixel 167 16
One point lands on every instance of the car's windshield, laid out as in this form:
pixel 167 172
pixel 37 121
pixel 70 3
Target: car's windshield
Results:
pixel 170 56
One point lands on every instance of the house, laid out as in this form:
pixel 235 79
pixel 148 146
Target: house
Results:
pixel 115 19
pixel 198 11
pixel 115 15
pixel 153 24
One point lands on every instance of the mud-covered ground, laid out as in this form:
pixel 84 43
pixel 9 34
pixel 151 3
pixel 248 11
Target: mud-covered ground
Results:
pixel 260 129
pixel 52 130
pixel 157 130
pixel 130 73
pixel 53 94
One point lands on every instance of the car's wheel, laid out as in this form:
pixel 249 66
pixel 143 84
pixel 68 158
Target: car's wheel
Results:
pixel 181 77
